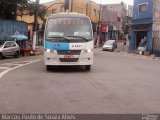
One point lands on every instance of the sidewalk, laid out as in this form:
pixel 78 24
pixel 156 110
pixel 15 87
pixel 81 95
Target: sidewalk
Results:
pixel 124 49
pixel 38 51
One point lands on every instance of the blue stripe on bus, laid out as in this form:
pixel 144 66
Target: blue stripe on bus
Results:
pixel 56 46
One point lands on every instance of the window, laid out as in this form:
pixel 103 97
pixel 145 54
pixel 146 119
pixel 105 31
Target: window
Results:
pixel 143 7
pixel 94 12
pixel 53 11
pixel 68 27
pixel 62 9
pixel 13 44
pixel 7 45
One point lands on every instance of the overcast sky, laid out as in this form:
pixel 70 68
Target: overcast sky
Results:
pixel 102 1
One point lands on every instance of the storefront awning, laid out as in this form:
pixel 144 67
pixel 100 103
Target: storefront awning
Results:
pixel 142 22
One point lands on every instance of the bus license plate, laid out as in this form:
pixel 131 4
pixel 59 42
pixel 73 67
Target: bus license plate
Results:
pixel 68 56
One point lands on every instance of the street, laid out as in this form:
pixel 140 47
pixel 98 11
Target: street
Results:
pixel 117 83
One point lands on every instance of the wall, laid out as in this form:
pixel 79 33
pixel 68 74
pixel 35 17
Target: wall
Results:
pixel 8 28
pixel 142 15
pixel 111 18
pixel 156 26
pixel 111 12
pixel 54 6
pixel 80 6
pixel 90 11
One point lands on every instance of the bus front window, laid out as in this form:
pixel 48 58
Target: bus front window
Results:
pixel 75 27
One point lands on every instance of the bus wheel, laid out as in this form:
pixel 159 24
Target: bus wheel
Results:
pixel 87 67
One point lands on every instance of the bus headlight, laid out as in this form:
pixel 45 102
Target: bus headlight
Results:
pixel 88 50
pixel 49 51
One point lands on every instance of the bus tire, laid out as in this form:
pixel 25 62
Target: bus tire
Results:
pixel 87 67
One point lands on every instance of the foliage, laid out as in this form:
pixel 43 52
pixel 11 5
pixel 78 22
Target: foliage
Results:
pixel 41 10
pixel 10 9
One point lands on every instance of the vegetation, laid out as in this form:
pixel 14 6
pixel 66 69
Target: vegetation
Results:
pixel 10 9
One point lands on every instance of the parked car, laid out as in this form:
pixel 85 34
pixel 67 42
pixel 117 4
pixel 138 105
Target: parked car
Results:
pixel 110 45
pixel 9 48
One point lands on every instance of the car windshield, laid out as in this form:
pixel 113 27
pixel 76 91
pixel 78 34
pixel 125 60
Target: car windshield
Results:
pixel 75 28
pixel 1 43
pixel 110 42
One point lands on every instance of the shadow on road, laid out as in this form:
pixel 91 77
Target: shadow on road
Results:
pixel 66 69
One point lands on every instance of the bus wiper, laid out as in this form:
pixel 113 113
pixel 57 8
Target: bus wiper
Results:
pixel 79 37
pixel 58 36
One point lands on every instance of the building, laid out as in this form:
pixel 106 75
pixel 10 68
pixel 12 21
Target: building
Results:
pixel 142 21
pixel 114 17
pixel 155 41
pixel 90 8
pixel 93 11
pixel 87 7
pixel 129 20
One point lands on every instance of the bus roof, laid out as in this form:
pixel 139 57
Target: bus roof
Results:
pixel 68 14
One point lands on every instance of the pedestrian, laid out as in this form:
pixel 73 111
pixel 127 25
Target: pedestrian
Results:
pixel 124 42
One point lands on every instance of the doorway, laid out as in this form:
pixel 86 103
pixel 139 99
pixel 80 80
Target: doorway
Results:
pixel 139 36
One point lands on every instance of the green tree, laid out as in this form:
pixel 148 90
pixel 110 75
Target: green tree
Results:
pixel 8 8
pixel 41 10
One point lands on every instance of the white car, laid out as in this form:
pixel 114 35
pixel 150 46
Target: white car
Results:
pixel 9 48
pixel 109 45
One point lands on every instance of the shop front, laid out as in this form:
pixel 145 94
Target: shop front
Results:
pixel 141 35
pixel 112 32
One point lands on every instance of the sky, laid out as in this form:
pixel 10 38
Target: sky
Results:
pixel 102 1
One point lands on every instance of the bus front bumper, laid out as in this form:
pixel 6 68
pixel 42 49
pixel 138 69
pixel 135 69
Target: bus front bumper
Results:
pixel 55 60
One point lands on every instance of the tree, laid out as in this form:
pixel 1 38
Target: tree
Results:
pixel 41 10
pixel 8 8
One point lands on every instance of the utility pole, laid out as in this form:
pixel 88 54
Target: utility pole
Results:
pixel 35 25
pixel 98 27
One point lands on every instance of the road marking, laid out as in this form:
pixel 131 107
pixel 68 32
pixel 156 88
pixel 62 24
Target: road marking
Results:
pixel 14 65
pixel 4 67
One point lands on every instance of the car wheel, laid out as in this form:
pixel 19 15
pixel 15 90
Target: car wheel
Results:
pixel 1 57
pixel 87 67
pixel 16 54
pixel 112 49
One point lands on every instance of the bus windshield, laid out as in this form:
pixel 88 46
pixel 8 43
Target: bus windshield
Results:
pixel 69 27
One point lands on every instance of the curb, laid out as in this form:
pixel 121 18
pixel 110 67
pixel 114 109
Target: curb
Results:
pixel 153 56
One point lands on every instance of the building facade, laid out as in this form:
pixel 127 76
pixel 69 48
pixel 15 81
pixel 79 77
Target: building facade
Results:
pixel 155 41
pixel 141 24
pixel 90 8
pixel 114 16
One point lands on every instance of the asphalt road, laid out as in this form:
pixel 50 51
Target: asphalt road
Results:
pixel 117 83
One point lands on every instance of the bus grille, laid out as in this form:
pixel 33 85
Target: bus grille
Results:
pixel 68 52
pixel 68 59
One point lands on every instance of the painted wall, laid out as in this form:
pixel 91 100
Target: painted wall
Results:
pixel 142 15
pixel 79 6
pixel 8 28
pixel 93 7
